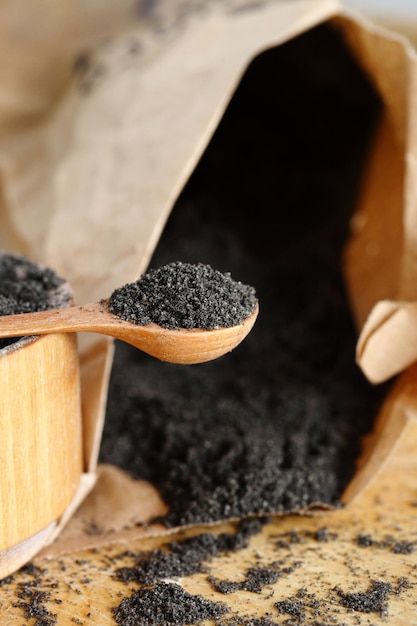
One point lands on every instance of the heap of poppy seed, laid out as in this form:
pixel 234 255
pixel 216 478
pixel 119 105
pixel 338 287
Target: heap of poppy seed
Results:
pixel 188 556
pixel 373 600
pixel 184 295
pixel 26 287
pixel 179 607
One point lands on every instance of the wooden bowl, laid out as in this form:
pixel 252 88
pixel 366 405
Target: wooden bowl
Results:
pixel 40 441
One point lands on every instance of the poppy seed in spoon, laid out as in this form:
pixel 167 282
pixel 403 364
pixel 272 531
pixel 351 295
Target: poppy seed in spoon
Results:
pixel 184 295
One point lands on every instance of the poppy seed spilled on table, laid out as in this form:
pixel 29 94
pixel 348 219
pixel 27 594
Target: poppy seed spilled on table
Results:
pixel 184 295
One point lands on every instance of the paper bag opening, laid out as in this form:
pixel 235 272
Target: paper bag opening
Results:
pixel 277 425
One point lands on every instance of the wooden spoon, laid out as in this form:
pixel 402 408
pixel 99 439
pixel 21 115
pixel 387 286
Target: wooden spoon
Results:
pixel 175 346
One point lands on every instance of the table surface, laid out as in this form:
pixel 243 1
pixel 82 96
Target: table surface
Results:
pixel 328 555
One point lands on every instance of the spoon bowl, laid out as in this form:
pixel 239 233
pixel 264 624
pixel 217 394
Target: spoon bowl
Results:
pixel 186 346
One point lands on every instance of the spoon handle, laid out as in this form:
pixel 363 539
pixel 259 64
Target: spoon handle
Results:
pixel 70 319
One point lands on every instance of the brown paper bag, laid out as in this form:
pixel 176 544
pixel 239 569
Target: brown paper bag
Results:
pixel 88 183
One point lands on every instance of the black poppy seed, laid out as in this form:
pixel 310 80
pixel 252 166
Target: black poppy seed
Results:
pixel 292 607
pixel 166 604
pixel 25 287
pixel 373 600
pixel 403 547
pixel 256 578
pixel 186 557
pixel 365 541
pixel 184 295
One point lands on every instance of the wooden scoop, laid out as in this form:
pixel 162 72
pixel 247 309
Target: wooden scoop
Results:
pixel 175 346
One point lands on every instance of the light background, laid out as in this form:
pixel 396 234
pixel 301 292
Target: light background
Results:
pixel 386 9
